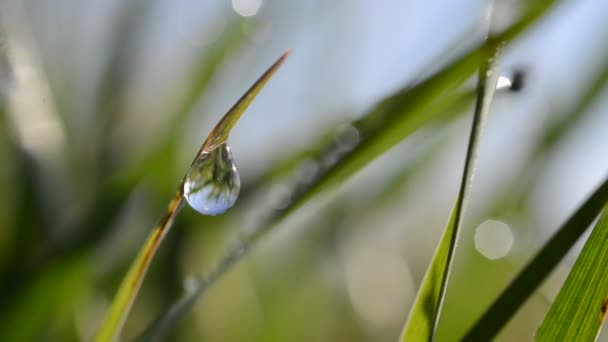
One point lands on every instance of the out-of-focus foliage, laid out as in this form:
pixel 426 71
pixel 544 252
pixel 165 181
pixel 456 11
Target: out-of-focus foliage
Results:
pixel 104 103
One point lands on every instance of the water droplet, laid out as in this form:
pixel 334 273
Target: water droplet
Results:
pixel 191 283
pixel 212 184
pixel 280 196
pixel 347 137
pixel 307 171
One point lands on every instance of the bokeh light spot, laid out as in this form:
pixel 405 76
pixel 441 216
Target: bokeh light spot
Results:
pixel 493 239
pixel 379 285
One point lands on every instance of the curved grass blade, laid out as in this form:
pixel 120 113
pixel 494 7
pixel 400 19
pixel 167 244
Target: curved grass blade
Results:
pixel 385 125
pixel 580 307
pixel 531 277
pixel 130 285
pixel 425 313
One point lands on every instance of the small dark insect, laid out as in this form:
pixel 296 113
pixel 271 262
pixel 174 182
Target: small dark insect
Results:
pixel 518 79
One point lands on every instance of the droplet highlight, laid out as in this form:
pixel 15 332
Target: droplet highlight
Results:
pixel 212 184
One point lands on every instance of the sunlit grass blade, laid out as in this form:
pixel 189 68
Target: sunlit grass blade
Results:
pixel 130 285
pixel 426 311
pixel 580 307
pixel 531 277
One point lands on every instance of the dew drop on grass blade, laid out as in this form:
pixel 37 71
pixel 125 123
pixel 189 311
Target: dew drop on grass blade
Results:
pixel 212 184
pixel 211 187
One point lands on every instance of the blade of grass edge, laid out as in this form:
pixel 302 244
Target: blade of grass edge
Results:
pixel 580 307
pixel 129 287
pixel 426 311
pixel 530 278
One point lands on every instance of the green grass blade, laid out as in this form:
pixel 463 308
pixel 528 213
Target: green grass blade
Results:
pixel 129 287
pixel 424 316
pixel 539 268
pixel 385 125
pixel 580 307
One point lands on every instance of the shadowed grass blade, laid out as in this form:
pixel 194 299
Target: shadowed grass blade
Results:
pixel 539 268
pixel 130 285
pixel 425 313
pixel 580 307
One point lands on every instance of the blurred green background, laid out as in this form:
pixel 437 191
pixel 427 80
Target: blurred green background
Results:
pixel 104 104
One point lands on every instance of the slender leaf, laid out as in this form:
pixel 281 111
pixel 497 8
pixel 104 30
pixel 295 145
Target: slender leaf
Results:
pixel 531 277
pixel 130 285
pixel 426 311
pixel 580 307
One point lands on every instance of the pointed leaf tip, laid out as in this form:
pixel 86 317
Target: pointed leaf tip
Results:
pixel 220 133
